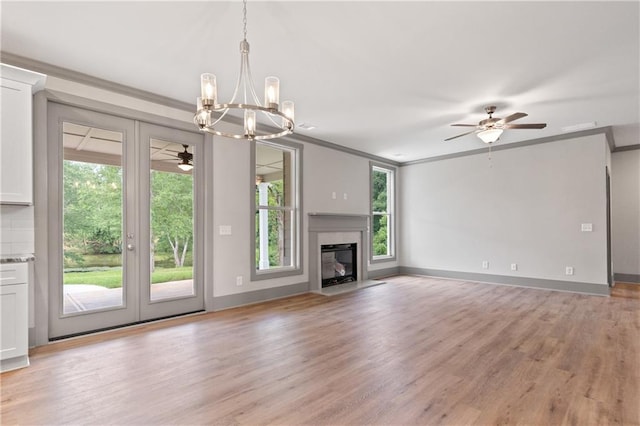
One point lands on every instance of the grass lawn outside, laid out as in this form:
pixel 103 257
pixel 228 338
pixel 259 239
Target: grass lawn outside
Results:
pixel 112 278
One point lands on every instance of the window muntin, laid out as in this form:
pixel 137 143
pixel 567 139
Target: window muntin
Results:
pixel 276 208
pixel 382 218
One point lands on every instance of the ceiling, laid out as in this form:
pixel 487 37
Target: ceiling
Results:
pixel 100 146
pixel 386 78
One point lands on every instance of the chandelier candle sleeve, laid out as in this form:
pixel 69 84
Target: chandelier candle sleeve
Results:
pixel 250 122
pixel 288 110
pixel 203 116
pixel 209 89
pixel 271 92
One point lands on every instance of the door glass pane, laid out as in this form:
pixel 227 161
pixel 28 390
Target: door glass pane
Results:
pixel 171 220
pixel 92 219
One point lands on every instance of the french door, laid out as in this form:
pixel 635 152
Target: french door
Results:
pixel 124 203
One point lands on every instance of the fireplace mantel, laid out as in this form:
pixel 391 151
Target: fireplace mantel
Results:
pixel 321 224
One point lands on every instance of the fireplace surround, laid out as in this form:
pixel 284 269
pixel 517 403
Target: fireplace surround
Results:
pixel 337 229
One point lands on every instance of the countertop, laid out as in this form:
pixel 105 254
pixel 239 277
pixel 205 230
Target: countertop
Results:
pixel 17 258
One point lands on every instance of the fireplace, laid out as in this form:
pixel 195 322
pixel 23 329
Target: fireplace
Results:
pixel 338 230
pixel 339 263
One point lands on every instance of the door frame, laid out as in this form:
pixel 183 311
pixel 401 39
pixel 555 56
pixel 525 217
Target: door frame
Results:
pixel 48 218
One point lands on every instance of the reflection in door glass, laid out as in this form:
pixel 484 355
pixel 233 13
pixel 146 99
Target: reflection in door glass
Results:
pixel 92 219
pixel 171 220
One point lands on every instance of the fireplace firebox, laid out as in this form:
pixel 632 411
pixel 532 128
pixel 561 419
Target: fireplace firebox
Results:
pixel 339 264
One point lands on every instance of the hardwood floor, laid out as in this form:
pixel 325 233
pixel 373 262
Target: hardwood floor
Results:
pixel 413 351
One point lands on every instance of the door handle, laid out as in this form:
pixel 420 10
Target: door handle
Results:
pixel 130 247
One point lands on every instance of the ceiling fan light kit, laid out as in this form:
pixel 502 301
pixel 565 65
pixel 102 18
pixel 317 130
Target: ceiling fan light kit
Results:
pixel 276 121
pixel 490 135
pixel 490 129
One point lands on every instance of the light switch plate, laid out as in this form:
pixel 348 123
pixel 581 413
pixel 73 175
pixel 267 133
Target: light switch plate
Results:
pixel 587 227
pixel 225 229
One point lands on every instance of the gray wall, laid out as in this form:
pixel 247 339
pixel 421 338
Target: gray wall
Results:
pixel 625 213
pixel 523 206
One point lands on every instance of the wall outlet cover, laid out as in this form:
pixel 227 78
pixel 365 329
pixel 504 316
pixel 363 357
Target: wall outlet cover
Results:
pixel 586 227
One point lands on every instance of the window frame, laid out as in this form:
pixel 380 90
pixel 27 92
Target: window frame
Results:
pixel 296 208
pixel 390 212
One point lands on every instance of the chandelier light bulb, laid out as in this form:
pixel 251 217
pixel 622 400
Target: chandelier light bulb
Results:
pixel 271 92
pixel 288 110
pixel 208 89
pixel 250 123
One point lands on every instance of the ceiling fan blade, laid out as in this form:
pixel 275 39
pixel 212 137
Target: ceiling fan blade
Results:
pixel 526 126
pixel 465 125
pixel 464 134
pixel 511 118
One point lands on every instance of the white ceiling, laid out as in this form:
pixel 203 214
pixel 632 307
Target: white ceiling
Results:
pixel 387 78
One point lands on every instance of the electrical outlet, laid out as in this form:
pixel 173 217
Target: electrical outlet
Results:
pixel 514 266
pixel 239 280
pixel 586 227
pixel 333 195
pixel 485 264
pixel 568 270
pixel 344 196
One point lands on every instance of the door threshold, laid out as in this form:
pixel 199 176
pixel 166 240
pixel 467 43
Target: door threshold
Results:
pixel 123 326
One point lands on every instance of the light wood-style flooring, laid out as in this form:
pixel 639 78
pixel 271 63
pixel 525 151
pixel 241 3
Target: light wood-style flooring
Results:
pixel 414 351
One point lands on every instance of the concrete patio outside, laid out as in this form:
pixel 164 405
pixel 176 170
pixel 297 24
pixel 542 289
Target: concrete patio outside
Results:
pixel 88 297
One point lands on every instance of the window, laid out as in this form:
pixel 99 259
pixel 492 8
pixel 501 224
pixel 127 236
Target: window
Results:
pixel 277 209
pixel 382 215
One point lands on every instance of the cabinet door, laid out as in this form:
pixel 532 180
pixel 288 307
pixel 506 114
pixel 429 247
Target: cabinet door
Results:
pixel 16 176
pixel 14 318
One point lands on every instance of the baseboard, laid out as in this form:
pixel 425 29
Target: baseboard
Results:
pixel 383 273
pixel 257 296
pixel 627 278
pixel 568 286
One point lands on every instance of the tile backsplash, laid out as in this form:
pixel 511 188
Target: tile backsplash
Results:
pixel 16 230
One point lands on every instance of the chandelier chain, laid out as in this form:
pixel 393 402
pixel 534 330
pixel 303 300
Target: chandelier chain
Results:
pixel 244 18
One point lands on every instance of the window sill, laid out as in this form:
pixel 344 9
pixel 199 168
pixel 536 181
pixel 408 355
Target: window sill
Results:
pixel 382 259
pixel 267 274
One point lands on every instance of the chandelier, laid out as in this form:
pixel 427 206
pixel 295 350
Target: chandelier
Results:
pixel 271 120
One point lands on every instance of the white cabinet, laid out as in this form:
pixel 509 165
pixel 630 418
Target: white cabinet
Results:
pixel 16 139
pixel 14 316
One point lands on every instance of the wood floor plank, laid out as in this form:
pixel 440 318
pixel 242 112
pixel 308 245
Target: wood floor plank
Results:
pixel 414 351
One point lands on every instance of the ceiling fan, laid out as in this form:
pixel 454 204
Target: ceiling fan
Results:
pixel 490 129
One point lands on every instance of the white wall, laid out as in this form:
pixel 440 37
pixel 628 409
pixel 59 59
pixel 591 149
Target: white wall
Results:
pixel 625 211
pixel 327 171
pixel 524 206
